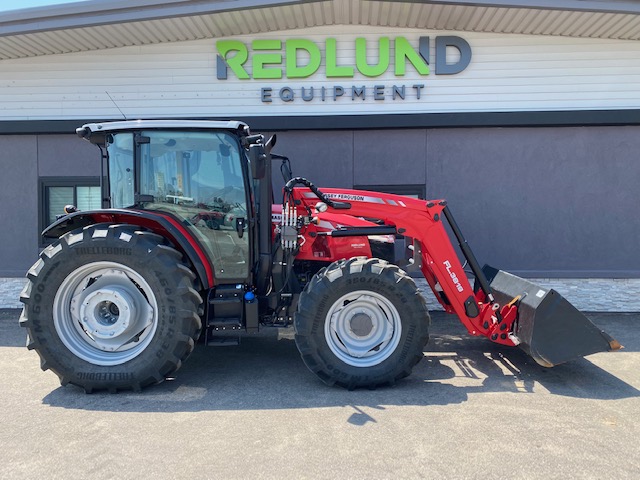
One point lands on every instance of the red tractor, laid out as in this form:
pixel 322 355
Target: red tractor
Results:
pixel 189 246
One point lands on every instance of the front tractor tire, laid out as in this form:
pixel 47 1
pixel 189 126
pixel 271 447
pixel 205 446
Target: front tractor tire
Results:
pixel 111 308
pixel 361 323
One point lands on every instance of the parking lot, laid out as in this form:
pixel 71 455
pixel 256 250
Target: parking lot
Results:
pixel 471 409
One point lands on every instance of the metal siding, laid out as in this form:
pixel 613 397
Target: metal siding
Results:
pixel 507 73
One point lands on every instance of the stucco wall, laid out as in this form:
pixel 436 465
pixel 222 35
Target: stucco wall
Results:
pixel 542 202
pixel 557 202
pixel 23 159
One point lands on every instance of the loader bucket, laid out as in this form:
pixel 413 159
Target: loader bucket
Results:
pixel 549 328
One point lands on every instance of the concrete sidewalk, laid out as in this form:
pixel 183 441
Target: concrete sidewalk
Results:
pixel 10 289
pixel 587 295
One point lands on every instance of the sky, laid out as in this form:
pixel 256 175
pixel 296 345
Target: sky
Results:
pixel 6 5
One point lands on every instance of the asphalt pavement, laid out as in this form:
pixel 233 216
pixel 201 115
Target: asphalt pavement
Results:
pixel 470 410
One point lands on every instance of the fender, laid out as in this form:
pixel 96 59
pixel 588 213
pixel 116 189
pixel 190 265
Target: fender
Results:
pixel 161 223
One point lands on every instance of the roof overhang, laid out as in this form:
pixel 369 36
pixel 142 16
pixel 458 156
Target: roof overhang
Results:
pixel 96 25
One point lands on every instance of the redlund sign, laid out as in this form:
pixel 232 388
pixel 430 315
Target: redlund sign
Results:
pixel 299 58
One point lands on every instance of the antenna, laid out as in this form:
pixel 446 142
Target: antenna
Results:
pixel 114 102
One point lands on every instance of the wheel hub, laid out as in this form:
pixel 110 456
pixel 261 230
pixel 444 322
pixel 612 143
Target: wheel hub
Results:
pixel 105 313
pixel 363 328
pixel 361 324
pixel 108 312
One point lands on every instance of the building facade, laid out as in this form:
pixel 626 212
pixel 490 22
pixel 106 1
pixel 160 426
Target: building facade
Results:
pixel 524 116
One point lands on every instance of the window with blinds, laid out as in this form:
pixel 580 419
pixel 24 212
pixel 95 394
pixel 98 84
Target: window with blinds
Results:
pixel 57 198
pixel 88 198
pixel 56 192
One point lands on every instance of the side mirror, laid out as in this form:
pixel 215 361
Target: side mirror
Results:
pixel 258 159
pixel 259 156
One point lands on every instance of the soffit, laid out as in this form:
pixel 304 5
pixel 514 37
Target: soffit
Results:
pixel 56 34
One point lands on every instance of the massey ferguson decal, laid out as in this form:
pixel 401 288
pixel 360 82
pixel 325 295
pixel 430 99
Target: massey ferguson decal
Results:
pixel 347 197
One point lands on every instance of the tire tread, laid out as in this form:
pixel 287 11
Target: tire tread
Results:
pixel 157 247
pixel 309 323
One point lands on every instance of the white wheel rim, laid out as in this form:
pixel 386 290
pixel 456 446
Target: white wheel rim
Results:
pixel 105 313
pixel 363 328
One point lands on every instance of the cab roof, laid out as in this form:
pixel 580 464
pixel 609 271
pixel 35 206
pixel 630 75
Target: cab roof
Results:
pixel 89 129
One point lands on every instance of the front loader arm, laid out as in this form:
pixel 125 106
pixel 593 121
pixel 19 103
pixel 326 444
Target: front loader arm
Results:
pixel 436 256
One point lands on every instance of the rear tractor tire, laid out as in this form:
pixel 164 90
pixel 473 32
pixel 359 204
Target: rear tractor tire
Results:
pixel 111 308
pixel 361 323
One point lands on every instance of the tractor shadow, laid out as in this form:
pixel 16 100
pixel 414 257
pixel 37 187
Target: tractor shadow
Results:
pixel 265 372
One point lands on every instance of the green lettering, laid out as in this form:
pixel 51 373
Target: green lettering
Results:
pixel 261 59
pixel 293 70
pixel 383 57
pixel 333 70
pixel 236 61
pixel 404 51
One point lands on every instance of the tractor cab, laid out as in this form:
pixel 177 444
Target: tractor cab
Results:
pixel 194 172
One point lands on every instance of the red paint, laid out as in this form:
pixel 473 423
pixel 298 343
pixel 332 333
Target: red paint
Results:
pixel 421 220
pixel 120 217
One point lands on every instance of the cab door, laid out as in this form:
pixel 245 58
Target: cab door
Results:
pixel 198 177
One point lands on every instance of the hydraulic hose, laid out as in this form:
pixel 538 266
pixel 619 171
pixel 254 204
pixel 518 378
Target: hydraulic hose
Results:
pixel 288 188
